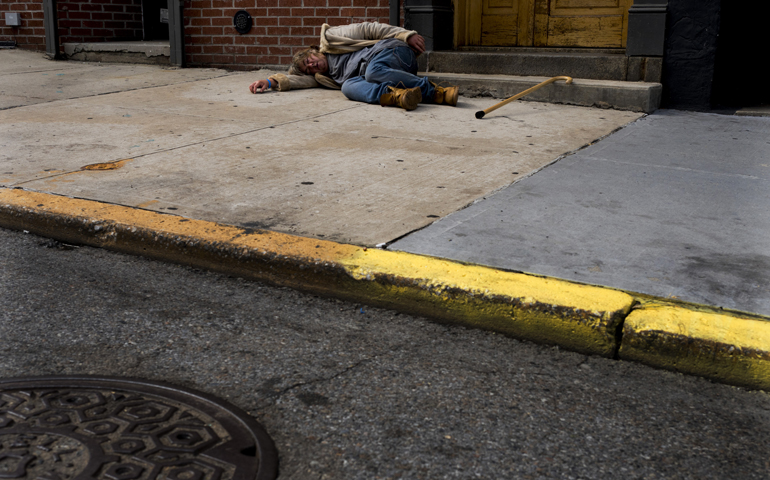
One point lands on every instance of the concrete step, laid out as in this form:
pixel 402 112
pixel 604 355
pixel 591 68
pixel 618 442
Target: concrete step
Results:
pixel 576 63
pixel 754 111
pixel 633 96
pixel 147 52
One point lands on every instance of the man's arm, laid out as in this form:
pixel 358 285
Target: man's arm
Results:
pixel 351 38
pixel 283 83
pixel 369 31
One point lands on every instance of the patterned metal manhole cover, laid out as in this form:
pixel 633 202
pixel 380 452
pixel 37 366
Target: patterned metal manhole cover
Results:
pixel 62 428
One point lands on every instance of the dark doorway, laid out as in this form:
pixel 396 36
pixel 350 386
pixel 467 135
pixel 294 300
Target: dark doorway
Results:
pixel 741 58
pixel 154 28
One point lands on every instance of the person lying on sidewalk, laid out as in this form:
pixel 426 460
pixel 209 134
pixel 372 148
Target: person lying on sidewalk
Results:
pixel 370 62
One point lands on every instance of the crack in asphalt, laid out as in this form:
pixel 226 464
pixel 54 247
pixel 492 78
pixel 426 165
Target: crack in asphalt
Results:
pixel 273 398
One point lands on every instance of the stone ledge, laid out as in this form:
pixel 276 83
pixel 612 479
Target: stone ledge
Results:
pixel 155 52
pixel 596 65
pixel 632 96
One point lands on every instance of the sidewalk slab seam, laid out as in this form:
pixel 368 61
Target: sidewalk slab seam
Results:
pixel 119 162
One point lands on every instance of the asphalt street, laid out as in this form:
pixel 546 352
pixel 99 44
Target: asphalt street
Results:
pixel 352 392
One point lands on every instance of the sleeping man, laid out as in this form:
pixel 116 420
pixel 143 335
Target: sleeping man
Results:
pixel 370 62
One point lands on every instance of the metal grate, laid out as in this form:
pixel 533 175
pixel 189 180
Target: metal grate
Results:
pixel 242 21
pixel 126 429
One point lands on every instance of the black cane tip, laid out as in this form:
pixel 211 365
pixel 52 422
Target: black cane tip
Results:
pixel 480 114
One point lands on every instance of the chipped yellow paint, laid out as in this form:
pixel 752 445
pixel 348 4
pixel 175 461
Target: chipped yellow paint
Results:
pixel 174 225
pixel 723 328
pixel 107 165
pixel 723 346
pixel 546 310
pixel 439 274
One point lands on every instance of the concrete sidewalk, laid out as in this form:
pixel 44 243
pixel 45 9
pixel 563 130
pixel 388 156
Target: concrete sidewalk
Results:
pixel 676 205
pixel 297 187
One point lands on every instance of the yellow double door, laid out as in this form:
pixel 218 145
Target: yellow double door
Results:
pixel 543 23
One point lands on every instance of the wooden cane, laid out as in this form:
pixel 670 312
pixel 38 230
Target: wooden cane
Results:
pixel 481 113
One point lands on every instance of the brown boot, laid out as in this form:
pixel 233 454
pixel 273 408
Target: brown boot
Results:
pixel 406 98
pixel 445 95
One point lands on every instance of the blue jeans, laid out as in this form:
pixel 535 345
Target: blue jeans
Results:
pixel 392 67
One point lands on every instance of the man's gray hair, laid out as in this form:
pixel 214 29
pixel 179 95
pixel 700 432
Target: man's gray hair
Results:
pixel 300 57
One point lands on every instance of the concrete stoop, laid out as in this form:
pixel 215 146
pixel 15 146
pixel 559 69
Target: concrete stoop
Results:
pixel 549 62
pixel 631 96
pixel 603 78
pixel 145 52
pixel 754 111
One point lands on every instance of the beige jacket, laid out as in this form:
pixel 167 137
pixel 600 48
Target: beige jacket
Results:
pixel 341 39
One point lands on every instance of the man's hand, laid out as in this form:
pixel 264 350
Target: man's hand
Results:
pixel 259 86
pixel 416 43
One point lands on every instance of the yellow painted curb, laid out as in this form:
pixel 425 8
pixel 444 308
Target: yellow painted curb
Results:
pixel 577 317
pixel 723 346
pixel 545 310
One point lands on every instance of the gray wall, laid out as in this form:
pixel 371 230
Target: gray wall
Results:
pixel 692 29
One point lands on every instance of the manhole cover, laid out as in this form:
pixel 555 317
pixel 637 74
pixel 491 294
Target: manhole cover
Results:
pixel 61 428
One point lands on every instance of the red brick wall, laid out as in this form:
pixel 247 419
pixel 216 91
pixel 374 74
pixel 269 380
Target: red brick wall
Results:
pixel 79 21
pixel 99 20
pixel 31 34
pixel 281 28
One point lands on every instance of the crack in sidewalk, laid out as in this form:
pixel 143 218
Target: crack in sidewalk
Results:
pixel 171 149
pixel 112 92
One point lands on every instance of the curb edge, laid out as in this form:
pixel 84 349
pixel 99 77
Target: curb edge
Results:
pixel 693 339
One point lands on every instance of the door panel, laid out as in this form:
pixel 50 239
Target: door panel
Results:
pixel 581 23
pixel 495 22
pixel 559 4
pixel 585 31
pixel 543 23
pixel 499 22
pixel 498 31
